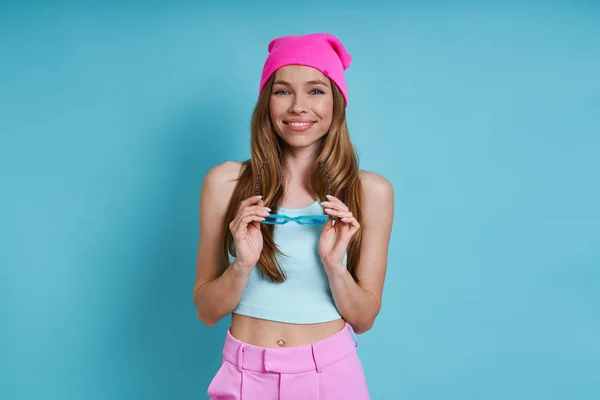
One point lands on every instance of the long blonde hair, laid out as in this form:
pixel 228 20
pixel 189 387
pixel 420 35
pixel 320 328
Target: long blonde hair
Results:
pixel 339 158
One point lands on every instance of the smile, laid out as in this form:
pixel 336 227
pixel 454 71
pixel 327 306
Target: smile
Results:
pixel 299 126
pixel 299 123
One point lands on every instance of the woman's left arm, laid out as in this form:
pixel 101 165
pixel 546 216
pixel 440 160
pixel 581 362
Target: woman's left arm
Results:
pixel 360 304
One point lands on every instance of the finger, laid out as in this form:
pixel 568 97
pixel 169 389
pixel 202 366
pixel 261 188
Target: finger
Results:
pixel 261 203
pixel 332 205
pixel 338 213
pixel 352 222
pixel 254 209
pixel 234 226
pixel 255 224
pixel 252 217
pixel 249 201
pixel 264 211
pixel 334 199
pixel 242 212
pixel 244 222
pixel 328 225
pixel 335 203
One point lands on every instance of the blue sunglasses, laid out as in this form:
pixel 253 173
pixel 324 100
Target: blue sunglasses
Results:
pixel 310 220
pixel 307 220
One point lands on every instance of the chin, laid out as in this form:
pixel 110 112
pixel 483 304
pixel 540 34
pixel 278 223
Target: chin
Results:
pixel 298 141
pixel 307 137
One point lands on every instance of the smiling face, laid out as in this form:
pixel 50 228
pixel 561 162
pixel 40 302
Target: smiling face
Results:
pixel 301 105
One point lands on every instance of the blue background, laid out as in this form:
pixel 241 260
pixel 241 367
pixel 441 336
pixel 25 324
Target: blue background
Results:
pixel 484 116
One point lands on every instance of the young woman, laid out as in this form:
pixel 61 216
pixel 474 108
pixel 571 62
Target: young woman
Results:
pixel 294 241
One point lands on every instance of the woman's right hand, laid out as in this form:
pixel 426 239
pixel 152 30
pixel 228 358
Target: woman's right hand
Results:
pixel 245 229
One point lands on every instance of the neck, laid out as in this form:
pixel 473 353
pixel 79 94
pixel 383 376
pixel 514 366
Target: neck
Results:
pixel 297 164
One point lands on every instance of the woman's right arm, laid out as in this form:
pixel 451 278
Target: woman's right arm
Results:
pixel 217 290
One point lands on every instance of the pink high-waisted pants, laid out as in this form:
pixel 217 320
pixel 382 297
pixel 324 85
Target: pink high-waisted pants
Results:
pixel 325 370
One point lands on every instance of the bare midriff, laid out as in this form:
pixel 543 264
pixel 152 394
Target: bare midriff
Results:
pixel 264 333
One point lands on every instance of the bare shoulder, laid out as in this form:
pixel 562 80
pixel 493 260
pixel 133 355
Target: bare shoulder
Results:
pixel 377 196
pixel 221 179
pixel 217 188
pixel 376 187
pixel 224 173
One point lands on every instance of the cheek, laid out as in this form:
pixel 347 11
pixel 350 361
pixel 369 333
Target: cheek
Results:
pixel 325 109
pixel 273 113
pixel 276 108
pixel 272 110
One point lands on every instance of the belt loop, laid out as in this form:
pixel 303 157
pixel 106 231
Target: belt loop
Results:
pixel 265 357
pixel 354 337
pixel 240 357
pixel 314 354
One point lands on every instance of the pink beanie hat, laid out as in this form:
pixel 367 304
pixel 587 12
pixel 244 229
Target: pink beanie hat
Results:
pixel 318 50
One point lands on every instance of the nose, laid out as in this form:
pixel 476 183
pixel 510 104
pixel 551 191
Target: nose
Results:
pixel 299 104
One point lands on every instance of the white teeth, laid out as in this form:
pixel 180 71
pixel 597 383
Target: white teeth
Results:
pixel 299 123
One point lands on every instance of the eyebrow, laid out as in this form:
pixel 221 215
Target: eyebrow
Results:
pixel 313 82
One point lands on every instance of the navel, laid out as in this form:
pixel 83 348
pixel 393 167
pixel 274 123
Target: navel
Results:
pixel 280 342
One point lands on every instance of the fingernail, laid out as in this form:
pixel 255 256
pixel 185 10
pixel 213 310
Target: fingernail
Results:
pixel 259 196
pixel 328 196
pixel 267 208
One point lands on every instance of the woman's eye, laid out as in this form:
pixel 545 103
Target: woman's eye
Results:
pixel 314 91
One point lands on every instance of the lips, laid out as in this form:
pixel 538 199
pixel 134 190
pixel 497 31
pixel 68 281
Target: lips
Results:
pixel 298 122
pixel 299 125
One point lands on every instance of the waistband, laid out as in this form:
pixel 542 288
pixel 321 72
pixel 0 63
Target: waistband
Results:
pixel 290 360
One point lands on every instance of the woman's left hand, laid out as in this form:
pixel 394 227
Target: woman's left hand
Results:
pixel 335 238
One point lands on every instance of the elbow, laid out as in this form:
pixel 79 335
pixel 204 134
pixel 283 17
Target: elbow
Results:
pixel 202 315
pixel 365 319
pixel 363 323
pixel 207 321
pixel 361 327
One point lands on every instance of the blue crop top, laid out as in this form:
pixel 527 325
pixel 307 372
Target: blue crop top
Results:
pixel 304 297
